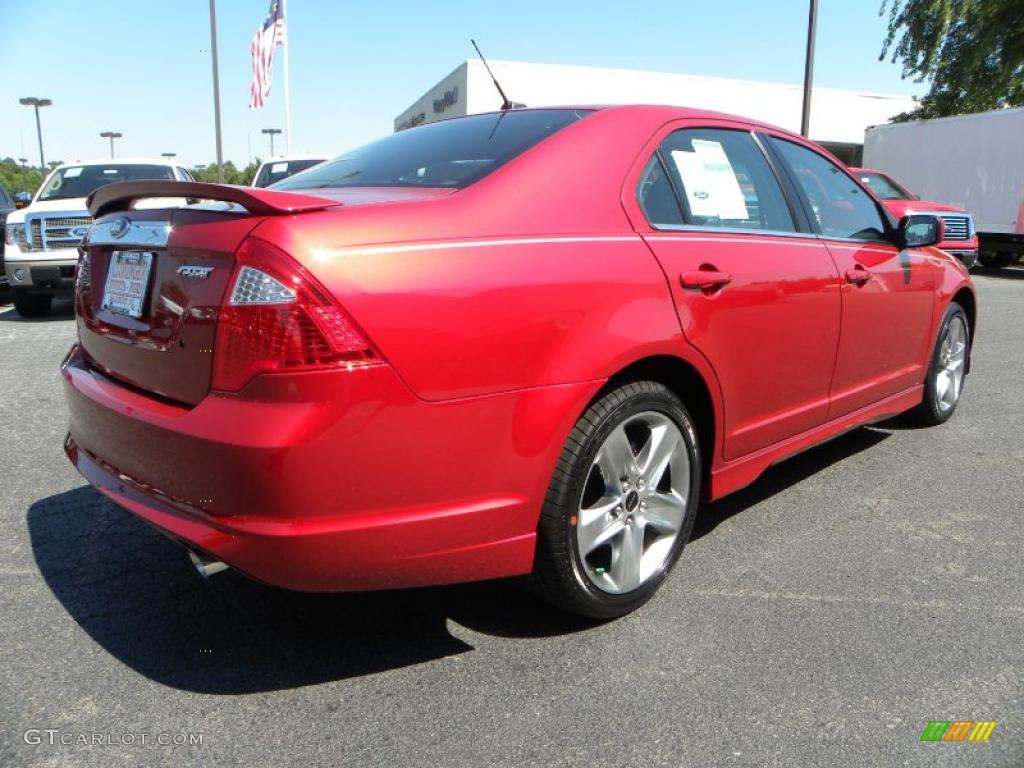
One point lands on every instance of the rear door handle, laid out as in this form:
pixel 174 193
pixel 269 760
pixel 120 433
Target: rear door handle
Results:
pixel 704 279
pixel 857 275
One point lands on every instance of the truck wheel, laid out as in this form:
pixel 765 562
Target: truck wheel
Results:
pixel 32 304
pixel 621 503
pixel 995 260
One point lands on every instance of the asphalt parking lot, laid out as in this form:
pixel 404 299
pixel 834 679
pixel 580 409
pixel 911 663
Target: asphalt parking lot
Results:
pixel 822 616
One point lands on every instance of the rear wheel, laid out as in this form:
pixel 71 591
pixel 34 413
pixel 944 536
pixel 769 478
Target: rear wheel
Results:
pixel 621 503
pixel 32 304
pixel 945 380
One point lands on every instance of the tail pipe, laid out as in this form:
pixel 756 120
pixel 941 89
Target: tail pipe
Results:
pixel 205 565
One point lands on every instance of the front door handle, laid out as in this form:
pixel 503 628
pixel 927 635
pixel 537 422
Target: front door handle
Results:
pixel 705 279
pixel 857 275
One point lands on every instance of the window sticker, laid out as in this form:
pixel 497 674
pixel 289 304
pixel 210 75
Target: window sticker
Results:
pixel 279 168
pixel 712 189
pixel 70 173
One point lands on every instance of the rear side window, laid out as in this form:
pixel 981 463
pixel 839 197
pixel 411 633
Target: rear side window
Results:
pixel 655 195
pixel 839 206
pixel 722 180
pixel 451 153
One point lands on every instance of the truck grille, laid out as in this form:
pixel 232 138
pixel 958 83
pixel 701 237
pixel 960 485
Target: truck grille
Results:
pixel 957 227
pixel 47 233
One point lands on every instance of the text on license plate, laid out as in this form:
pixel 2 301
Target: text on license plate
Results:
pixel 127 282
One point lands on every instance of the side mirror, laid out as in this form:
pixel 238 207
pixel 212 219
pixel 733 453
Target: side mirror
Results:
pixel 21 200
pixel 919 230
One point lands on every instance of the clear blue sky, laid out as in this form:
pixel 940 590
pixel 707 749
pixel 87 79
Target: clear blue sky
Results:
pixel 141 67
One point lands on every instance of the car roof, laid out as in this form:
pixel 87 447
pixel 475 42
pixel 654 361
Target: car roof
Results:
pixel 653 112
pixel 289 158
pixel 122 161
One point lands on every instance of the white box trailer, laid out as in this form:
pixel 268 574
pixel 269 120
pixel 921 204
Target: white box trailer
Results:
pixel 975 162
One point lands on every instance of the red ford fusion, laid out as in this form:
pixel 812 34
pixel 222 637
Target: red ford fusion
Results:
pixel 959 238
pixel 510 344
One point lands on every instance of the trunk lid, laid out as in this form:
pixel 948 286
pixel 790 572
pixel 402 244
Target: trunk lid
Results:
pixel 168 349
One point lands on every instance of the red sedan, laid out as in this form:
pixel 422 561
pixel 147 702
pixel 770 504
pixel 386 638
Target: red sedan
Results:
pixel 520 343
pixel 959 236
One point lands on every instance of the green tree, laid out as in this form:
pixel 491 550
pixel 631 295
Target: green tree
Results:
pixel 232 175
pixel 19 178
pixel 970 51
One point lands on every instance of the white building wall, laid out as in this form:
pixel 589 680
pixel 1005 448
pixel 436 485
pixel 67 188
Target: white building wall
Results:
pixel 446 99
pixel 836 116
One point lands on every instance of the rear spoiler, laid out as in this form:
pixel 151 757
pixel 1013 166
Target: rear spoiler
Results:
pixel 260 202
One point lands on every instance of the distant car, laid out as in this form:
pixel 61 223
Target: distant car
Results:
pixel 7 205
pixel 281 168
pixel 520 343
pixel 960 239
pixel 42 239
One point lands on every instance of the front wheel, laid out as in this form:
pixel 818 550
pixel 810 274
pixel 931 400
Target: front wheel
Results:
pixel 32 304
pixel 944 382
pixel 621 504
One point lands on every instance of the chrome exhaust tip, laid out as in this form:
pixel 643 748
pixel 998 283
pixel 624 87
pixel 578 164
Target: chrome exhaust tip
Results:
pixel 206 566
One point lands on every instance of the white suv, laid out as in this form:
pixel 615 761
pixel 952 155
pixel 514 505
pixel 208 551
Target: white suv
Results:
pixel 42 239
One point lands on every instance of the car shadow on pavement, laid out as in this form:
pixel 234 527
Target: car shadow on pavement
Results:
pixel 133 591
pixel 1007 273
pixel 787 473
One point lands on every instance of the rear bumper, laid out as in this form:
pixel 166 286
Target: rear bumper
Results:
pixel 330 481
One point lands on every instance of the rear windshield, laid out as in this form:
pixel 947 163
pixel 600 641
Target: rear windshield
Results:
pixel 884 187
pixel 83 180
pixel 451 153
pixel 271 172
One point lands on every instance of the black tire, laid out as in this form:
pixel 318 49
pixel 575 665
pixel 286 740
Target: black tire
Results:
pixel 995 260
pixel 560 575
pixel 931 411
pixel 32 304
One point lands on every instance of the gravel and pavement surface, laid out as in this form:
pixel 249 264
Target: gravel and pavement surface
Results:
pixel 821 617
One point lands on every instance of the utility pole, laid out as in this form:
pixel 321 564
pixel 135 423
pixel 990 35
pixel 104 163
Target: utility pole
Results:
pixel 32 101
pixel 216 90
pixel 272 132
pixel 111 135
pixel 812 23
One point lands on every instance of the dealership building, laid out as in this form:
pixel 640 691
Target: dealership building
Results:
pixel 838 118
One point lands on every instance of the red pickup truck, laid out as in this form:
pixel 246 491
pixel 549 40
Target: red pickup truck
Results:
pixel 960 239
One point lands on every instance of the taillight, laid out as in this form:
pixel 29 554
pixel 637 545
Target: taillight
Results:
pixel 276 317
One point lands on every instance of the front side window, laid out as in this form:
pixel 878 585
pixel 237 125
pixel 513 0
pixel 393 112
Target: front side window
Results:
pixel 83 180
pixel 840 207
pixel 722 179
pixel 450 153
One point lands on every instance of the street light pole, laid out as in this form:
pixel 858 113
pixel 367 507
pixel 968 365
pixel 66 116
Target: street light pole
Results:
pixel 812 23
pixel 169 155
pixel 111 135
pixel 32 101
pixel 272 132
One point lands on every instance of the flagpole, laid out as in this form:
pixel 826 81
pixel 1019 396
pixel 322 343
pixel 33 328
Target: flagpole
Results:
pixel 287 80
pixel 216 90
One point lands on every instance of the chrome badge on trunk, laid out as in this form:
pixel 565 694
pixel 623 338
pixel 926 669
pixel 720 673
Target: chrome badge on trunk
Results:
pixel 195 273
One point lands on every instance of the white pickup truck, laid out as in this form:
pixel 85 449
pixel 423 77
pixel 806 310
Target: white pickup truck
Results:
pixel 42 239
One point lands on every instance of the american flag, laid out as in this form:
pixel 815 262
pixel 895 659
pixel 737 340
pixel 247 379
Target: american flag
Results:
pixel 262 48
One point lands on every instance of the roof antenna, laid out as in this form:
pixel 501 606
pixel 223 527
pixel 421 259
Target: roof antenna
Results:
pixel 505 103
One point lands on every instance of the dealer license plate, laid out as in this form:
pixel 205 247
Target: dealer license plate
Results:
pixel 127 282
